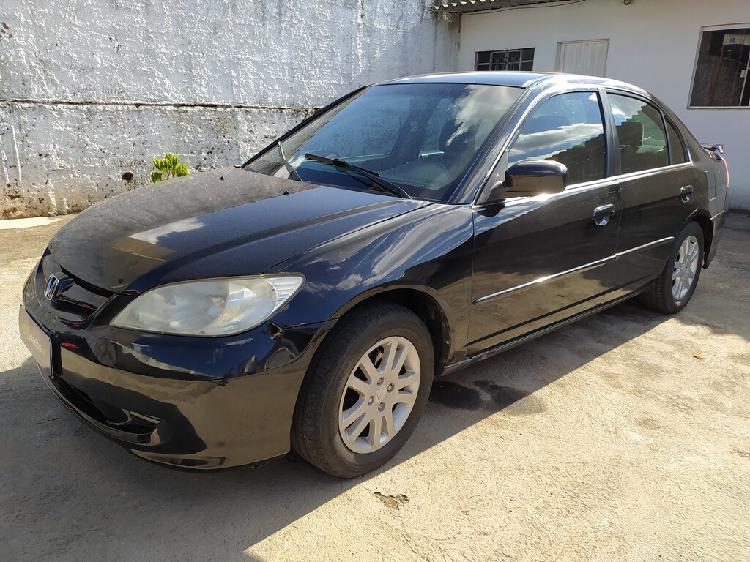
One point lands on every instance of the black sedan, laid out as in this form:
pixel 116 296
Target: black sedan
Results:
pixel 306 300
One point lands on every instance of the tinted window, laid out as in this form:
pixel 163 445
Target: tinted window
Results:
pixel 676 148
pixel 640 131
pixel 433 128
pixel 422 137
pixel 567 128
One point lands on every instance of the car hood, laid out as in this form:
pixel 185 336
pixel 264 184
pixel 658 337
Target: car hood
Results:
pixel 158 233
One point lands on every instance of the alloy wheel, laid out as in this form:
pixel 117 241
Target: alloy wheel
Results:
pixel 685 268
pixel 379 395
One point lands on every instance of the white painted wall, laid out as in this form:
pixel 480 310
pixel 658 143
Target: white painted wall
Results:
pixel 88 89
pixel 652 43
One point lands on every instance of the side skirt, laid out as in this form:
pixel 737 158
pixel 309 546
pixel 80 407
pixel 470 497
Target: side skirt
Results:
pixel 486 354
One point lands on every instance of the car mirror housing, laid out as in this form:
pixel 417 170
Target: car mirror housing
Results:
pixel 529 178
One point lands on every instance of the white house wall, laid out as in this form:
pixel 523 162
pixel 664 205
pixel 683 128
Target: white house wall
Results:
pixel 90 91
pixel 652 43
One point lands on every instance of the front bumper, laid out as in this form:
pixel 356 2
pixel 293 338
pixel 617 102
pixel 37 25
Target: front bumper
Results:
pixel 186 401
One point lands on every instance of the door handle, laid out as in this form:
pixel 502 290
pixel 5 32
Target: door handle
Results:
pixel 686 192
pixel 602 214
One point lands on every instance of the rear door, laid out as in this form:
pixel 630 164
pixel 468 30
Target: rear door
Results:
pixel 542 259
pixel 658 189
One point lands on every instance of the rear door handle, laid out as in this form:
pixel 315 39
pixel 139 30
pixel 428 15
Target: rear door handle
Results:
pixel 686 192
pixel 603 213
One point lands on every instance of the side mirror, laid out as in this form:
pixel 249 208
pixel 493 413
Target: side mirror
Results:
pixel 530 177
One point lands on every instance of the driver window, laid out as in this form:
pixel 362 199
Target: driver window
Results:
pixel 569 129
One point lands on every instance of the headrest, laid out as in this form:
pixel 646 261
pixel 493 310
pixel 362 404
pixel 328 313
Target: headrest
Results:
pixel 630 135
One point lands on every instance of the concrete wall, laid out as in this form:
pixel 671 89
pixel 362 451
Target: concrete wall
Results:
pixel 91 90
pixel 651 43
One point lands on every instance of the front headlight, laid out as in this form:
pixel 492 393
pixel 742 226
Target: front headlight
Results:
pixel 213 307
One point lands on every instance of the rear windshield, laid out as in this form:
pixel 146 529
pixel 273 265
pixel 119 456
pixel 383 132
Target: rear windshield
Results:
pixel 420 137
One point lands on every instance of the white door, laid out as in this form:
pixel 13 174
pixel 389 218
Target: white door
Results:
pixel 583 57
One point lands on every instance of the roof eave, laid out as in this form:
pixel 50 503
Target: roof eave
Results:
pixel 475 6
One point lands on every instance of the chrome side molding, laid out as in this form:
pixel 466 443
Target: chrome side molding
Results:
pixel 584 267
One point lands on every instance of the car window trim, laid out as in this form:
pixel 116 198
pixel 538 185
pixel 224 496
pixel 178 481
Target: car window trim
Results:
pixel 685 154
pixel 652 171
pixel 547 197
pixel 591 185
pixel 569 190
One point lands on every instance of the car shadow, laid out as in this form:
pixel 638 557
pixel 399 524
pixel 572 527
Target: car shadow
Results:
pixel 69 493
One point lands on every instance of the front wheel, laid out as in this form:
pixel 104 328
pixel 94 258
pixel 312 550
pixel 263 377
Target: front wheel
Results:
pixel 671 291
pixel 365 392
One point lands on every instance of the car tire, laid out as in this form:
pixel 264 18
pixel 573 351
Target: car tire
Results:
pixel 672 290
pixel 328 400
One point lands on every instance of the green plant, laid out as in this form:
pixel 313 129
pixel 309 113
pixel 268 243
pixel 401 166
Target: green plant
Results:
pixel 167 167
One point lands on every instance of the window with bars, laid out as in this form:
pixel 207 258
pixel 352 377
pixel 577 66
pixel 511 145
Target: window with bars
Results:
pixel 506 59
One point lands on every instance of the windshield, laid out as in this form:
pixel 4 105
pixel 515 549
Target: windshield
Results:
pixel 420 138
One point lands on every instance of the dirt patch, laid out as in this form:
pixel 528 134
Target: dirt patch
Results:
pixel 392 501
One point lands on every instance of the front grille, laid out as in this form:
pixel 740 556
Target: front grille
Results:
pixel 75 302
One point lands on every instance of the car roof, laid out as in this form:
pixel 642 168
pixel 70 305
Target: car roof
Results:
pixel 516 79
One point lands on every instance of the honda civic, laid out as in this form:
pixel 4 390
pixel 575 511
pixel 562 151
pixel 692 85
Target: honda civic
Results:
pixel 306 300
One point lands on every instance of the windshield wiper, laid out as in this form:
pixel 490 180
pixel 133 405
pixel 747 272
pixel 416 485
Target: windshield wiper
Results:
pixel 374 177
pixel 287 164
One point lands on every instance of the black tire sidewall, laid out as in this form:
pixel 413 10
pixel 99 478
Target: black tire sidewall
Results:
pixel 404 324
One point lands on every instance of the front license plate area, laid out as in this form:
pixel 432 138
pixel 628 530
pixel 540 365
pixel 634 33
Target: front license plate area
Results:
pixel 37 341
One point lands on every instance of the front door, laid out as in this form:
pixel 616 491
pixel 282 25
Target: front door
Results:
pixel 542 259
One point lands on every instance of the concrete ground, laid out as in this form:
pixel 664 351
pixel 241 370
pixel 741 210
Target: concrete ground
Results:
pixel 625 436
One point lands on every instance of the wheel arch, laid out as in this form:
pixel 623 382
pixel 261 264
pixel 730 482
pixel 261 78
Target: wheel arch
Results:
pixel 419 301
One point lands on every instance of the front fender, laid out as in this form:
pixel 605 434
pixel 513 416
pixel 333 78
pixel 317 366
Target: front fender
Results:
pixel 428 250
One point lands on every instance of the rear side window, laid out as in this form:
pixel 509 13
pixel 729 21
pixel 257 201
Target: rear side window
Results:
pixel 567 128
pixel 676 148
pixel 640 132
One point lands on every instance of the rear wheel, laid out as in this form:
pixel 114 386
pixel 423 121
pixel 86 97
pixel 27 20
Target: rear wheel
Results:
pixel 672 290
pixel 366 391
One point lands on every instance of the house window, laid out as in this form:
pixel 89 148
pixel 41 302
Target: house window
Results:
pixel 722 68
pixel 507 59
pixel 583 57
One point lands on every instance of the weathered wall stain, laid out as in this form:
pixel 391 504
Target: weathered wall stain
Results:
pixel 91 91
